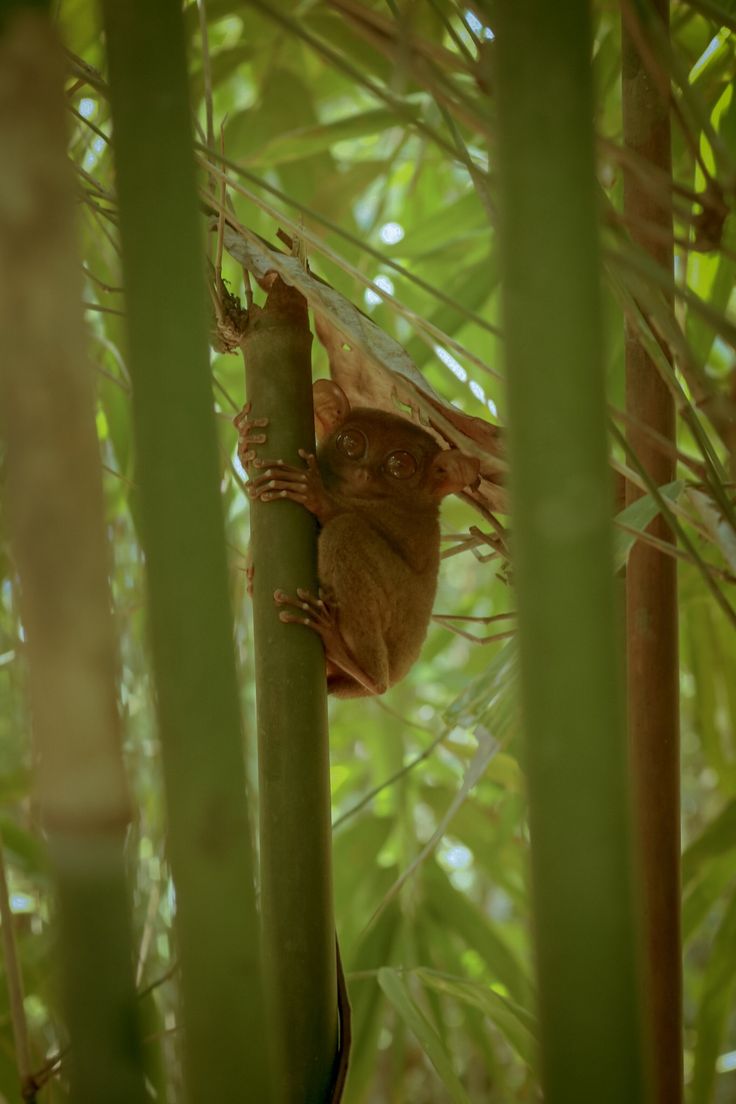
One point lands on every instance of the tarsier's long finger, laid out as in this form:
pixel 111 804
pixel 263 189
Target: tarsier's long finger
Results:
pixel 245 430
pixel 308 601
pixel 280 464
pixel 304 617
pixel 246 437
pixel 243 425
pixel 241 422
pixel 278 490
pixel 309 458
pixel 246 452
pixel 247 440
pixel 295 619
pixel 279 471
pixel 243 413
pixel 277 480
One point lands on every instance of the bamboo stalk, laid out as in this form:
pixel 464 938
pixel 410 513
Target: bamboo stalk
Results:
pixel 570 666
pixel 651 589
pixel 55 512
pixel 296 884
pixel 182 530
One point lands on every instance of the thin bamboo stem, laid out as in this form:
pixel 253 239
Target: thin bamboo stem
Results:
pixel 651 584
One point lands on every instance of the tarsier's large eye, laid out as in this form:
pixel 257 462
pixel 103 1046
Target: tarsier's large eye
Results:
pixel 353 443
pixel 400 464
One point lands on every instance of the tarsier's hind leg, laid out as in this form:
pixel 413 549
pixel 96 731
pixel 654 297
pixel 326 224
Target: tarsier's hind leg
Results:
pixel 317 614
pixel 357 595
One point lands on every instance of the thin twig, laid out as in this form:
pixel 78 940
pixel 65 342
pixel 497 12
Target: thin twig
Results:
pixel 89 124
pixel 103 310
pixel 100 283
pixel 391 781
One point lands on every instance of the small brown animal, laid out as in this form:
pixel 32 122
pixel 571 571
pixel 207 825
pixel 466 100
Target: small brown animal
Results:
pixel 375 488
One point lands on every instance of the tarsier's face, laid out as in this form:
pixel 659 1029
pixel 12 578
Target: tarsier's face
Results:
pixel 377 456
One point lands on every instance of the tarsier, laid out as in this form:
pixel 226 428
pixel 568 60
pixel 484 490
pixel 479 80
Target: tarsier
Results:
pixel 374 486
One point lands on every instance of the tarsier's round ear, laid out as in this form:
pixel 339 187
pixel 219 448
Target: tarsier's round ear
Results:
pixel 452 470
pixel 331 407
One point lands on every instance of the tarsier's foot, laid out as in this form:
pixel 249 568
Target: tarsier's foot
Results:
pixel 302 485
pixel 246 437
pixel 313 612
pixel 319 615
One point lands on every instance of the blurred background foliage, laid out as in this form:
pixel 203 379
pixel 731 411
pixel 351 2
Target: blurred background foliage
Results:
pixel 374 124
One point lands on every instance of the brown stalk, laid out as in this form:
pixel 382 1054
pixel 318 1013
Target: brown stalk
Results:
pixel 651 607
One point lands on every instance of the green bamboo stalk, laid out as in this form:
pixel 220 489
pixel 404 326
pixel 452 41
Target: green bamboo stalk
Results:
pixel 55 511
pixel 562 500
pixel 651 585
pixel 182 528
pixel 296 885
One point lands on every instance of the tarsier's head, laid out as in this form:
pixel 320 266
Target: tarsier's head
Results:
pixel 373 454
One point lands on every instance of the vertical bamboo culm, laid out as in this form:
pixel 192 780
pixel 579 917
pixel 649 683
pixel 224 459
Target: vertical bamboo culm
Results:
pixel 296 881
pixel 209 842
pixel 562 501
pixel 56 519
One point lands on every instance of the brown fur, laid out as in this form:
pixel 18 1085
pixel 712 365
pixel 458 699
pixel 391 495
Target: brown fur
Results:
pixel 379 541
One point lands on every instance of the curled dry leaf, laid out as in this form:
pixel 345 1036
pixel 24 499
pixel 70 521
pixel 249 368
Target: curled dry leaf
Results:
pixel 374 370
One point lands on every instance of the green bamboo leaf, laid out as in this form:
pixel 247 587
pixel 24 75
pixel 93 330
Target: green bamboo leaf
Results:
pixel 397 990
pixel 375 948
pixel 294 144
pixel 487 747
pixel 516 1025
pixel 715 1006
pixel 718 527
pixel 711 275
pixel 455 912
pixel 28 852
pixel 504 860
pixel 718 838
pixel 226 62
pixel 638 516
pixel 712 656
pixel 704 892
pixel 472 283
pixel 462 220
pixel 722 11
pixel 338 192
pixel 488 697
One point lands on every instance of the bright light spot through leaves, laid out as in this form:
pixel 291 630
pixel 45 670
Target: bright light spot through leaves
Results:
pixel 391 233
pixel 371 297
